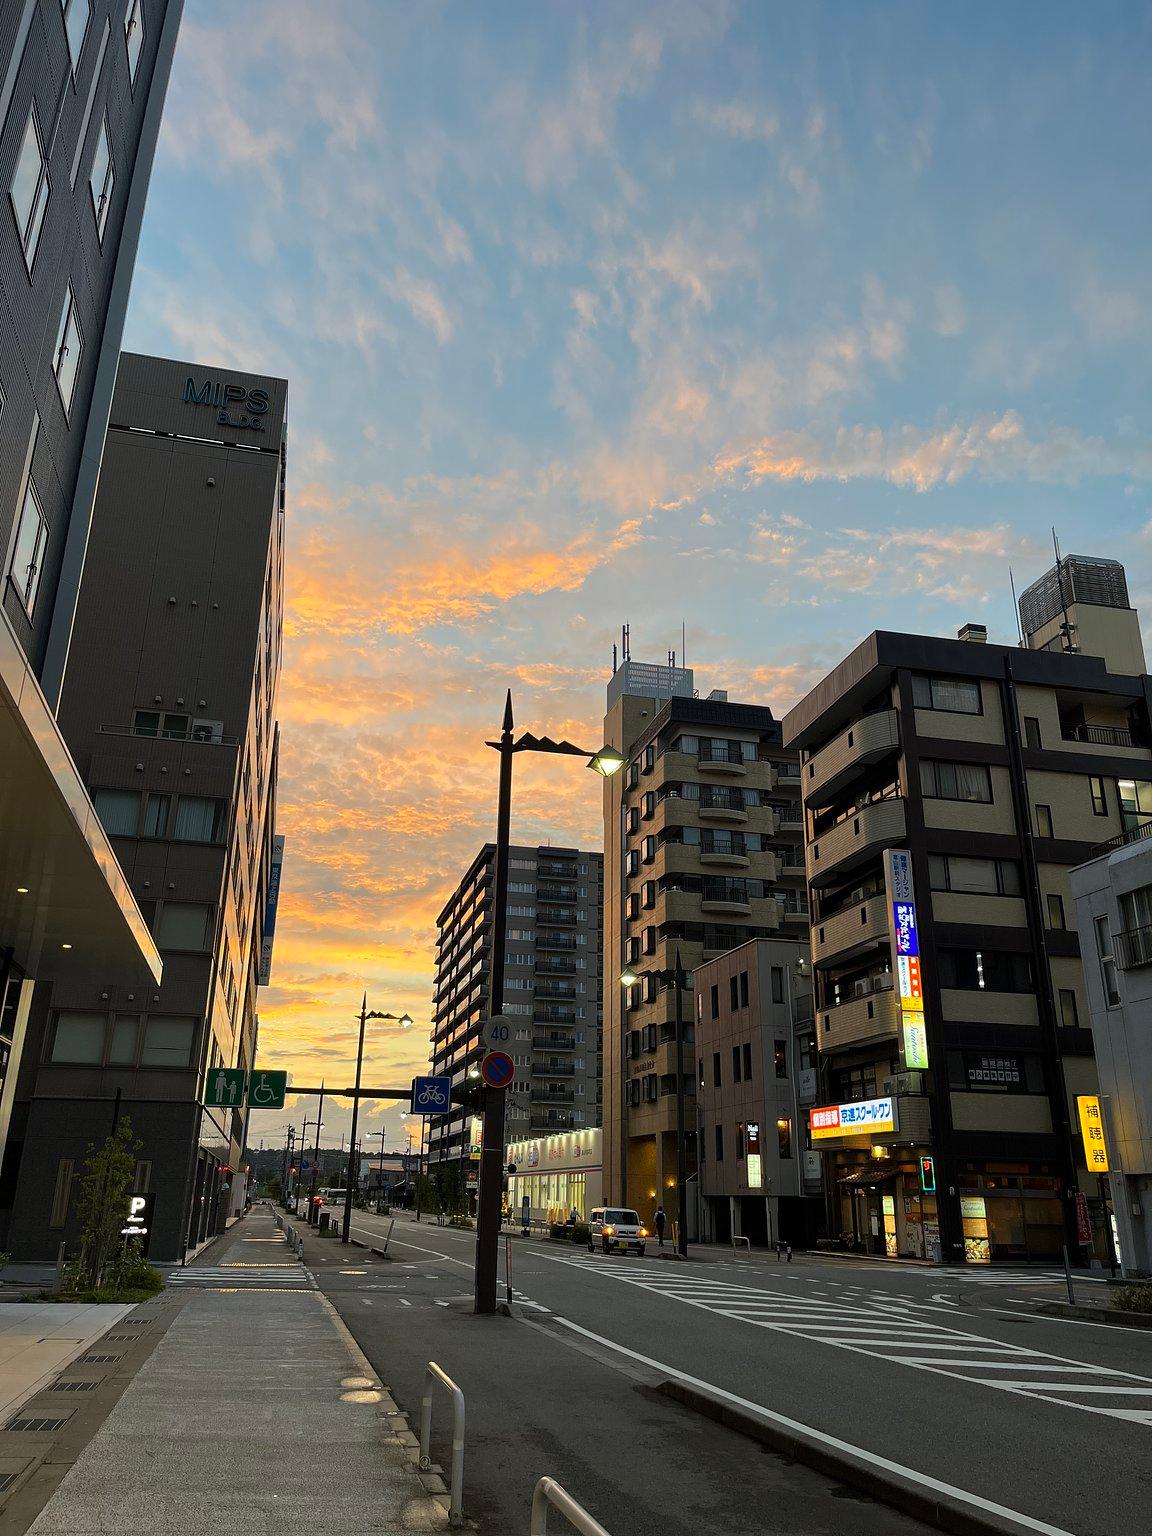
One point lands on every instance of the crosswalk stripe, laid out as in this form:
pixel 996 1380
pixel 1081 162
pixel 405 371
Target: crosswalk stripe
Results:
pixel 892 1331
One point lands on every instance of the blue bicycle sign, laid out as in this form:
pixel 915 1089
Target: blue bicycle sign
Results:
pixel 431 1095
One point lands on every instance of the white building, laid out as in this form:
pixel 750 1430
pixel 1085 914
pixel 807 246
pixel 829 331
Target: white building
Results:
pixel 1113 894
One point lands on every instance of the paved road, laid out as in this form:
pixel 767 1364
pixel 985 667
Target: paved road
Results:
pixel 950 1375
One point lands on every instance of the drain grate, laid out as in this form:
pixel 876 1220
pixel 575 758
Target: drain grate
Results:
pixel 6 1480
pixel 36 1426
pixel 74 1386
pixel 98 1359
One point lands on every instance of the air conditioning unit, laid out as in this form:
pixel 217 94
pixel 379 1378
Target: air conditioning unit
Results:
pixel 862 987
pixel 884 982
pixel 905 1082
pixel 857 895
pixel 208 730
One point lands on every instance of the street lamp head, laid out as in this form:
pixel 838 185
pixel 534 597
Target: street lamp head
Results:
pixel 606 762
pixel 405 1021
pixel 473 1070
pixel 628 977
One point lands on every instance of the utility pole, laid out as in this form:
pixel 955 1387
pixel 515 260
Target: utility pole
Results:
pixel 316 1159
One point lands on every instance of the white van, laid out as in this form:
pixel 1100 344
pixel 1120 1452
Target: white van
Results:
pixel 613 1227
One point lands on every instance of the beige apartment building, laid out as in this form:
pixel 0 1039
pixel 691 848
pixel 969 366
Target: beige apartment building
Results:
pixel 702 852
pixel 949 786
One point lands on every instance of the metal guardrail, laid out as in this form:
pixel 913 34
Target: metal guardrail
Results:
pixel 1134 948
pixel 435 1374
pixel 549 1492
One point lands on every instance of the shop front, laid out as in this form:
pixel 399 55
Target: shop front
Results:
pixel 556 1175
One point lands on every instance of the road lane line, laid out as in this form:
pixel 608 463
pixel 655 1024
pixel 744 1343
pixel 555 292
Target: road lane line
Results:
pixel 920 1479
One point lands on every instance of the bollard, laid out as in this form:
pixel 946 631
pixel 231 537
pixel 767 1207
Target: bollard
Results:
pixel 435 1374
pixel 549 1492
pixel 1068 1278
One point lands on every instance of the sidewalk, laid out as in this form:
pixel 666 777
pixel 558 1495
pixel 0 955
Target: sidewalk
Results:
pixel 38 1339
pixel 255 1410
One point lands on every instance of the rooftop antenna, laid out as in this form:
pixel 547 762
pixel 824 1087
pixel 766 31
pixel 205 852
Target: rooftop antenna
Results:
pixel 626 647
pixel 683 644
pixel 1066 627
pixel 1015 605
pixel 613 658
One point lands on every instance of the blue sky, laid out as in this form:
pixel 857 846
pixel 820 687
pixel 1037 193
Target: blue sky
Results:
pixel 789 322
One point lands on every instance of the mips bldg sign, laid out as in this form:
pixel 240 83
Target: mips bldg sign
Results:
pixel 235 405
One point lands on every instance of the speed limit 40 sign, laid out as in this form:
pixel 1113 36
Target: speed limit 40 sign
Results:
pixel 498 1032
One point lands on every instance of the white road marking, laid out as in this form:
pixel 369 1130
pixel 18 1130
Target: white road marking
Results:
pixel 921 1479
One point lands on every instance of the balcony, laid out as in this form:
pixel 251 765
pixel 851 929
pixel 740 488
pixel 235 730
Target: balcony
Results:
pixel 551 1014
pixel 790 818
pixel 554 1120
pixel 560 967
pixel 1134 948
pixel 555 989
pixel 864 742
pixel 562 1098
pixel 1098 735
pixel 553 1069
pixel 554 940
pixel 556 892
pixel 555 871
pixel 793 912
pixel 721 761
pixel 857 838
pixel 729 896
pixel 855 928
pixel 561 917
pixel 873 1016
pixel 553 1040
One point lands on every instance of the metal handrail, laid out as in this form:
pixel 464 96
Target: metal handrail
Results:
pixel 549 1492
pixel 432 1375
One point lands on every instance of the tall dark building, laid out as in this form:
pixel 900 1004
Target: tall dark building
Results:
pixel 169 711
pixel 949 787
pixel 82 86
pixel 552 991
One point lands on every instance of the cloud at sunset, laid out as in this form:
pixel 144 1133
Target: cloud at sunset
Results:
pixel 600 315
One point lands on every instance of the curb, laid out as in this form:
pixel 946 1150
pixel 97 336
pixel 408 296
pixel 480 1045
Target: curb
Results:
pixel 1095 1315
pixel 930 1504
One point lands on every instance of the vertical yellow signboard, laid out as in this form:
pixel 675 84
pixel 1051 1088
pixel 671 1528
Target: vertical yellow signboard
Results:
pixel 1092 1132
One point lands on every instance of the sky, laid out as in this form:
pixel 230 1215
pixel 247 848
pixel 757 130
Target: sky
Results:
pixel 784 323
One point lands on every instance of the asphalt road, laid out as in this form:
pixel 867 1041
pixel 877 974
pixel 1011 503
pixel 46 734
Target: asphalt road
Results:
pixel 951 1376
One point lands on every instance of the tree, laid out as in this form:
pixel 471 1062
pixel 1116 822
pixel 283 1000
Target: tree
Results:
pixel 103 1205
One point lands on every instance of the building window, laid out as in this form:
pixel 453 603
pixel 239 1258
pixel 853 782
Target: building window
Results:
pixel 1044 821
pixel 784 1137
pixel 77 14
pixel 1069 1013
pixel 1031 731
pixel 199 819
pixel 719 1129
pixel 134 35
pixel 142 1178
pixel 1107 962
pixel 960 696
pixel 62 1193
pixel 746 1052
pixel 739 1140
pixel 780 1057
pixel 632 907
pixel 1099 797
pixel 185 925
pixel 1056 912
pixel 632 862
pixel 648 895
pixel 733 993
pixel 969 876
pixel 984 970
pixel 28 551
pixel 69 344
pixel 648 849
pixel 956 781
pixel 118 810
pixel 777 984
pixel 125 1033
pixel 167 1042
pixel 151 722
pixel 735 1063
pixel 102 180
pixel 743 989
pixel 714 1000
pixel 79 1038
pixel 716 1069
pixel 1135 802
pixel 30 189
pixel 156 816
pixel 977 1072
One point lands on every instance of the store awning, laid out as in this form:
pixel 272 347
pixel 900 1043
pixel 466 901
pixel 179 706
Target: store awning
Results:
pixel 872 1175
pixel 64 902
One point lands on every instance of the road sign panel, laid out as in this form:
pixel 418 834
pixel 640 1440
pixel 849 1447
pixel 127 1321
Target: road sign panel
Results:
pixel 266 1090
pixel 224 1088
pixel 431 1095
pixel 497 1069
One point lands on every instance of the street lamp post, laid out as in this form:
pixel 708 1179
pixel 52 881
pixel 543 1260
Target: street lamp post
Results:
pixel 677 976
pixel 404 1021
pixel 605 762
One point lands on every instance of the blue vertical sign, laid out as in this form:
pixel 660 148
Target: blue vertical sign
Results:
pixel 264 973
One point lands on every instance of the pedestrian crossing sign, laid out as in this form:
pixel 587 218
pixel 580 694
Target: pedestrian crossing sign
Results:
pixel 224 1088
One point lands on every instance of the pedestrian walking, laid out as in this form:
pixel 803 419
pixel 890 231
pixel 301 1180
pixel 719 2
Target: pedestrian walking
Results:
pixel 659 1221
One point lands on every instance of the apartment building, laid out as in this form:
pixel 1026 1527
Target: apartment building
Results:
pixel 949 786
pixel 1113 894
pixel 552 992
pixel 755 1051
pixel 702 839
pixel 82 89
pixel 169 710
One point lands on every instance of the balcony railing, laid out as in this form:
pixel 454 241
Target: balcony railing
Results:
pixel 725 890
pixel 555 967
pixel 560 1099
pixel 720 752
pixel 554 940
pixel 553 1069
pixel 555 989
pixel 1099 735
pixel 557 871
pixel 553 1041
pixel 554 1015
pixel 557 892
pixel 562 916
pixel 1134 948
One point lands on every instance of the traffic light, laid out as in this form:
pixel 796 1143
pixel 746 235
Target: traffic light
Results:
pixel 928 1175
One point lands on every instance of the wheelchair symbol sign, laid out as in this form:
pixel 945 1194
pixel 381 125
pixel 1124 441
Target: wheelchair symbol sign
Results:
pixel 266 1090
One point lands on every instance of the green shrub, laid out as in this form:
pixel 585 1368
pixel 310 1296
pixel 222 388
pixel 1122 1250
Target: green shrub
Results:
pixel 580 1232
pixel 560 1232
pixel 1133 1298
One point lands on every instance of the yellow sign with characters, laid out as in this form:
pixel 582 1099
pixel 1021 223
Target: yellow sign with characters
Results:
pixel 1092 1132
